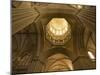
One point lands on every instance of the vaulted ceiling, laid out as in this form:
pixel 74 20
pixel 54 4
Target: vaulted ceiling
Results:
pixel 30 47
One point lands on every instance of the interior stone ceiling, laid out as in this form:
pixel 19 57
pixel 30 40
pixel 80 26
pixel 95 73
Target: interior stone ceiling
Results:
pixel 30 46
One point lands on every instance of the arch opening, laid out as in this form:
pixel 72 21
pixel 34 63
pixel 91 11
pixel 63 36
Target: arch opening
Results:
pixel 58 62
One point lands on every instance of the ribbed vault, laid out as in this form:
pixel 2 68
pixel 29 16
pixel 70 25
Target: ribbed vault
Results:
pixel 58 62
pixel 31 50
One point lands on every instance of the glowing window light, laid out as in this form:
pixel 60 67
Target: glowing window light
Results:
pixel 77 6
pixel 91 55
pixel 66 28
pixel 60 32
pixel 57 32
pixel 63 31
pixel 51 29
pixel 58 29
pixel 58 24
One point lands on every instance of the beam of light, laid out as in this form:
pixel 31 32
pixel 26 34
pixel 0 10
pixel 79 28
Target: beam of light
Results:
pixel 91 55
